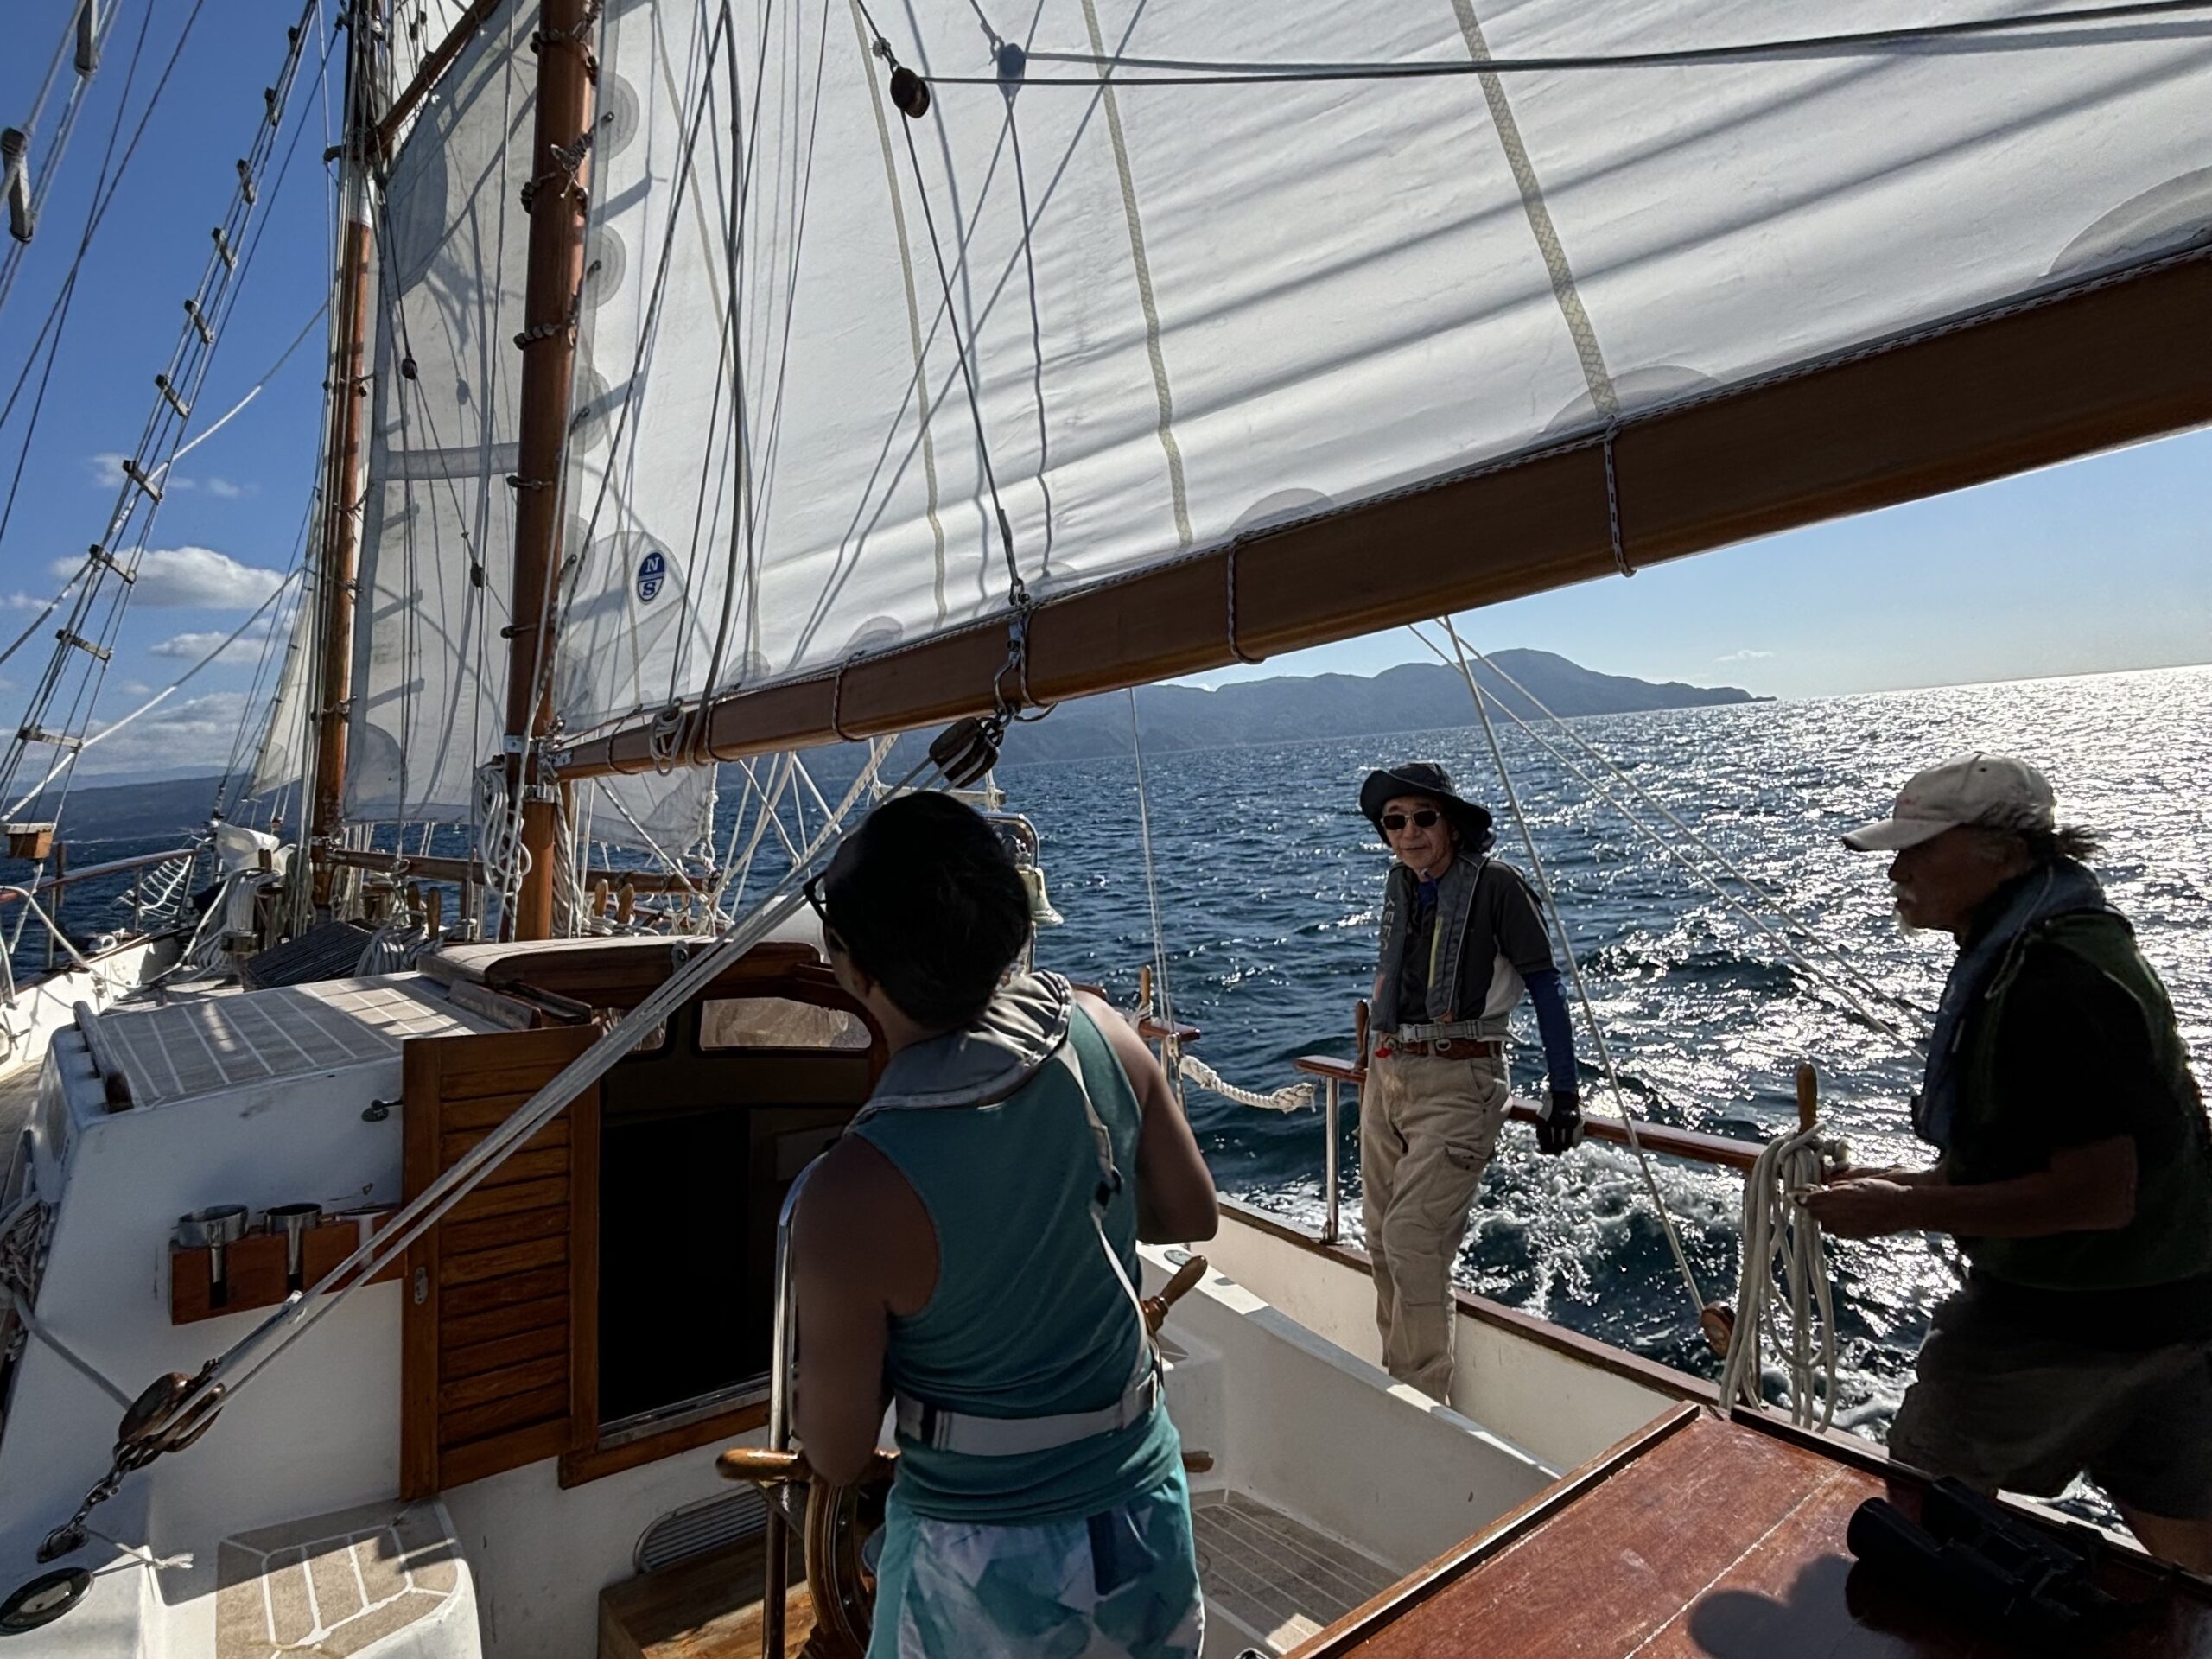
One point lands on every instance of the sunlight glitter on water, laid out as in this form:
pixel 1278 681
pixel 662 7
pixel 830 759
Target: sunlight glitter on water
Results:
pixel 1269 882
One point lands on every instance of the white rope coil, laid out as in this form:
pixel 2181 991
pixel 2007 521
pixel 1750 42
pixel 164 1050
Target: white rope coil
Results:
pixel 1292 1097
pixel 1784 1261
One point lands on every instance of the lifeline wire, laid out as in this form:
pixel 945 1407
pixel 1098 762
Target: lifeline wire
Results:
pixel 1574 968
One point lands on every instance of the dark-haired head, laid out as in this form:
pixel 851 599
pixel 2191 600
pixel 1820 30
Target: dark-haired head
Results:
pixel 924 901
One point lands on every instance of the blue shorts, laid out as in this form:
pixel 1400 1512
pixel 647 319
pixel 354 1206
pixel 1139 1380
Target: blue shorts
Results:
pixel 1123 1585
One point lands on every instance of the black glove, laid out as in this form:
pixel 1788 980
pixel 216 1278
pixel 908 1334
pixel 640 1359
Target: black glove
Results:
pixel 1559 1128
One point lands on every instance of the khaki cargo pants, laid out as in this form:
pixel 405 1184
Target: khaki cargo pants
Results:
pixel 1428 1127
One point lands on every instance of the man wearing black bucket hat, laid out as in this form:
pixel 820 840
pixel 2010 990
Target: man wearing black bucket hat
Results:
pixel 1462 937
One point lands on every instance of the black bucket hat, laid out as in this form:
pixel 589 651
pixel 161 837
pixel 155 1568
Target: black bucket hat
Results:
pixel 1426 778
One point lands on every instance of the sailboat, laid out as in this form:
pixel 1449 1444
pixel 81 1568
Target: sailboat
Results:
pixel 710 383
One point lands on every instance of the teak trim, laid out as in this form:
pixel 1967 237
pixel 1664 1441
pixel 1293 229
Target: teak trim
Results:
pixel 578 1467
pixel 1346 1634
pixel 2082 368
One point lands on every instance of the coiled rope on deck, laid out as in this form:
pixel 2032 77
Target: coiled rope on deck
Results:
pixel 1782 1238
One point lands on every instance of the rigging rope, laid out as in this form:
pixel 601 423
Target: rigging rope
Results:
pixel 72 108
pixel 1167 1044
pixel 1177 72
pixel 1017 590
pixel 207 311
pixel 1558 923
pixel 153 702
pixel 1780 1237
pixel 1292 1097
pixel 244 1359
pixel 1858 976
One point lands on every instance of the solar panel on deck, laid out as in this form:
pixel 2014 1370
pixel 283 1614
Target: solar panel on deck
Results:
pixel 331 950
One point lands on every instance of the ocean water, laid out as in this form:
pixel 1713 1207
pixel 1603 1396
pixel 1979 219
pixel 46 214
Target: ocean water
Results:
pixel 1269 882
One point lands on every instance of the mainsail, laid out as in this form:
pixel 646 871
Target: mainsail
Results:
pixel 851 381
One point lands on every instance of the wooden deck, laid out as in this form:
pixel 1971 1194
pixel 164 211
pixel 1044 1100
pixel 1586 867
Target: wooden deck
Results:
pixel 708 1607
pixel 1709 1538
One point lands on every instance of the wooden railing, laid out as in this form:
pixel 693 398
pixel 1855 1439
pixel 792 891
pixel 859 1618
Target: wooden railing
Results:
pixel 1655 1137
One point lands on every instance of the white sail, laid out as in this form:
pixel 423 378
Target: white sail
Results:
pixel 1239 302
pixel 430 654
pixel 282 760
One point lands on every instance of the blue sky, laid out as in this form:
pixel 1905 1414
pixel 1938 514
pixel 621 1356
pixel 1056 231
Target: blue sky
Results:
pixel 2105 564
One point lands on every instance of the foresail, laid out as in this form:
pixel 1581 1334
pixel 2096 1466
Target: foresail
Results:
pixel 1191 310
pixel 431 637
pixel 429 653
pixel 284 743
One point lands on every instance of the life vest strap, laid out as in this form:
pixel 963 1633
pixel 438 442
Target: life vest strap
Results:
pixel 974 1436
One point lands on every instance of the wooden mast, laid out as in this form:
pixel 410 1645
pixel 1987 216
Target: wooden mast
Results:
pixel 556 201
pixel 343 479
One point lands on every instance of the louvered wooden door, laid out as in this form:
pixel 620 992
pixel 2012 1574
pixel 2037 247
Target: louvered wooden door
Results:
pixel 492 1373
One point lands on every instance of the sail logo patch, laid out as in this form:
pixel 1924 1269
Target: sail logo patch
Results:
pixel 652 572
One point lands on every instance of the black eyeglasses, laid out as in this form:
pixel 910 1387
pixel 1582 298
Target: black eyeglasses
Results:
pixel 1423 818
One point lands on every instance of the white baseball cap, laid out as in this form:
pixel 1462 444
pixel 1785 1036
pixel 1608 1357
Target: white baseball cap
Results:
pixel 1994 790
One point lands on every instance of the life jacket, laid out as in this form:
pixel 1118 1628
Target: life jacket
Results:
pixel 1456 890
pixel 1018 1054
pixel 2170 1237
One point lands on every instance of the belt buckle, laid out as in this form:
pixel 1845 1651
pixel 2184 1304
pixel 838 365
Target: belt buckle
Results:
pixel 1442 1046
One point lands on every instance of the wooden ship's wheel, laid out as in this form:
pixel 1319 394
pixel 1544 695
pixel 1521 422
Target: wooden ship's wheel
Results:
pixel 841 1519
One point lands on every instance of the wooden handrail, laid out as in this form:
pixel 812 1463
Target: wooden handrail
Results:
pixel 1150 1029
pixel 1694 1144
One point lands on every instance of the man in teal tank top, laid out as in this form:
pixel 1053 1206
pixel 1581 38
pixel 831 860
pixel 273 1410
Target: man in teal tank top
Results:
pixel 967 1254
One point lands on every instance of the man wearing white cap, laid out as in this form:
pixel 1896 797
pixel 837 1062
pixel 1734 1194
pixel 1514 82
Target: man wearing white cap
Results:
pixel 2075 1171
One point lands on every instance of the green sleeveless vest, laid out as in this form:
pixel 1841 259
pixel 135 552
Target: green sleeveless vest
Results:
pixel 2171 1238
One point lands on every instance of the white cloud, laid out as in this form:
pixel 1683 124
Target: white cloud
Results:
pixel 228 491
pixel 181 737
pixel 1746 655
pixel 191 647
pixel 106 468
pixel 197 578
pixel 23 602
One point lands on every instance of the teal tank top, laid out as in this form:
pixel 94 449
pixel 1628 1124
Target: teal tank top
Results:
pixel 1026 1319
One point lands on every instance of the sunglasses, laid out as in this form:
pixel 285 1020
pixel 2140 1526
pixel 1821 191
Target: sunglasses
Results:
pixel 1424 818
